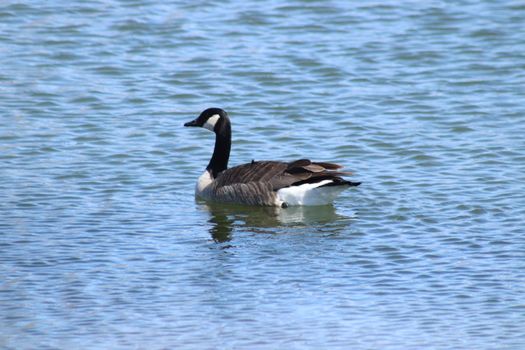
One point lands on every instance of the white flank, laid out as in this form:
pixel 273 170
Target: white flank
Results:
pixel 310 194
pixel 203 182
pixel 210 123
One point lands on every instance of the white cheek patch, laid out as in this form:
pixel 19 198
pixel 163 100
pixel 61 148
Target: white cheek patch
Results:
pixel 210 123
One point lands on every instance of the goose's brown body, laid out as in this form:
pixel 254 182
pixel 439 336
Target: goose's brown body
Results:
pixel 258 183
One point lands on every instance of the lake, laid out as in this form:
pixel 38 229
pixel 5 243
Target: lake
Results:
pixel 103 245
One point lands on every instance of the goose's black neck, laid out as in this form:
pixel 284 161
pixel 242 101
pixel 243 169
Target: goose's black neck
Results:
pixel 221 152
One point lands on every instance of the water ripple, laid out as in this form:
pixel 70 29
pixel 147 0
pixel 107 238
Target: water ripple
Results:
pixel 103 245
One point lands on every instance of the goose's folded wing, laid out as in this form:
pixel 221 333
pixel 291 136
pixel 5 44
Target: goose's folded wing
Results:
pixel 279 174
pixel 262 171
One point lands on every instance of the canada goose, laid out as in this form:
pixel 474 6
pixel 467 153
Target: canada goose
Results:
pixel 267 183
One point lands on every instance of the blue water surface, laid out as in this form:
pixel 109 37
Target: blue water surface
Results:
pixel 103 246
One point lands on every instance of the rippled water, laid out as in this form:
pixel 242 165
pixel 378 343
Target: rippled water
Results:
pixel 102 244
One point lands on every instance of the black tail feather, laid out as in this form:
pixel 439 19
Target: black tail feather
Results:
pixel 342 183
pixel 336 181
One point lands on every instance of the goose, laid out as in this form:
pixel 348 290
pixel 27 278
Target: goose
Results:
pixel 263 183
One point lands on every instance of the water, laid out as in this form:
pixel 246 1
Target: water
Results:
pixel 102 244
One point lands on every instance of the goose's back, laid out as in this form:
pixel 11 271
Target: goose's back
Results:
pixel 261 171
pixel 256 183
pixel 252 183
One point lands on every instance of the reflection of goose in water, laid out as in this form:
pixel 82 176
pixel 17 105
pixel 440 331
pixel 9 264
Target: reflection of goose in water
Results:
pixel 226 217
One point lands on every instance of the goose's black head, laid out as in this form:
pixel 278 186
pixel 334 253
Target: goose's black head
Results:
pixel 212 119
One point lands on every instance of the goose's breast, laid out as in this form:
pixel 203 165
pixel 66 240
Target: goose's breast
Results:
pixel 203 184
